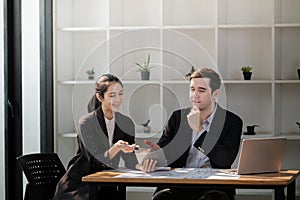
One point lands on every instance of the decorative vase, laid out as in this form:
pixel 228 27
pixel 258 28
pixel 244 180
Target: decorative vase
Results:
pixel 91 76
pixel 247 75
pixel 250 130
pixel 147 129
pixel 145 75
pixel 298 70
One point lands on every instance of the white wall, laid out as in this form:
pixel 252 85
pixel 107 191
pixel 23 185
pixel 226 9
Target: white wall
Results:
pixel 2 167
pixel 31 75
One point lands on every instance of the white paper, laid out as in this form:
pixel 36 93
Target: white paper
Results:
pixel 185 173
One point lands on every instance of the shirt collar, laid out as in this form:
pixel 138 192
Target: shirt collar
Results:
pixel 208 121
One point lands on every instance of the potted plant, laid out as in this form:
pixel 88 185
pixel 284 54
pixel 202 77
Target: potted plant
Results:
pixel 146 126
pixel 188 75
pixel 91 73
pixel 247 72
pixel 145 69
pixel 250 130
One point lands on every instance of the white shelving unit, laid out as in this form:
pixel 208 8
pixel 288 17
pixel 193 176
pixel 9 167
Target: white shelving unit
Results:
pixel 111 35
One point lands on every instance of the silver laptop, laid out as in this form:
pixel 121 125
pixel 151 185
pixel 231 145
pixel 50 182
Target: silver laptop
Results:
pixel 261 155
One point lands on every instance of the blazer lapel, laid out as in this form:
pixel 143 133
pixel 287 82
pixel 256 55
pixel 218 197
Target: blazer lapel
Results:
pixel 215 131
pixel 100 117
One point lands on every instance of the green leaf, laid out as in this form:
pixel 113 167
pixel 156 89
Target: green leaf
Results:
pixel 145 67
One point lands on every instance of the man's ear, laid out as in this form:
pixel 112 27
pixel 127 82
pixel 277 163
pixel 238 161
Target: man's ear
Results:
pixel 215 94
pixel 98 96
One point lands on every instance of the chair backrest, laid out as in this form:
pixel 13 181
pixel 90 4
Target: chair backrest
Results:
pixel 42 168
pixel 43 171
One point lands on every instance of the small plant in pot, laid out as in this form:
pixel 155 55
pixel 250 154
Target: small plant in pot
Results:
pixel 145 69
pixel 250 130
pixel 247 72
pixel 146 126
pixel 188 75
pixel 91 73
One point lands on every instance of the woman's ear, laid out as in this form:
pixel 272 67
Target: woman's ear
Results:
pixel 98 96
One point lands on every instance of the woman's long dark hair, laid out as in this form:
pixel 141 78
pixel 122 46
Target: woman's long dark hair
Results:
pixel 101 87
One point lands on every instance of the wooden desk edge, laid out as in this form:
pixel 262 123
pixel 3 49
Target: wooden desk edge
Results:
pixel 284 177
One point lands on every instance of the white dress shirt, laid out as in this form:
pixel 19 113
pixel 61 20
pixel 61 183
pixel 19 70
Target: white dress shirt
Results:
pixel 196 158
pixel 110 126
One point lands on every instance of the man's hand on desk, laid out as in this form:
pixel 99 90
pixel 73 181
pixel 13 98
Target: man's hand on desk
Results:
pixel 148 165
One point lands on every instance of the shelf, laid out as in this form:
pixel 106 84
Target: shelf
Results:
pixel 287 81
pixel 68 135
pixel 84 82
pixel 158 135
pixel 254 47
pixel 258 135
pixel 190 27
pixel 244 26
pixel 157 82
pixel 247 81
pixel 176 82
pixel 294 136
pixel 111 35
pixel 82 29
pixel 127 28
pixel 140 82
pixel 79 82
pixel 137 135
pixel 287 25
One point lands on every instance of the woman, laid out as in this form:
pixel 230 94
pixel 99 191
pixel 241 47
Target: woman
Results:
pixel 104 136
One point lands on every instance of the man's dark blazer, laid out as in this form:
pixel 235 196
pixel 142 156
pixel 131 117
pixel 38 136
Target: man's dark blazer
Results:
pixel 220 144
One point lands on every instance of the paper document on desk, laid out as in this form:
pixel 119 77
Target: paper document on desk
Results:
pixel 153 174
pixel 183 173
pixel 151 153
pixel 211 173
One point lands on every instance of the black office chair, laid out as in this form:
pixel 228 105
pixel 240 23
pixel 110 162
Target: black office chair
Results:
pixel 166 194
pixel 43 171
pixel 214 195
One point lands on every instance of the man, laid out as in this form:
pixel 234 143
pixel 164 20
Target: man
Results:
pixel 204 135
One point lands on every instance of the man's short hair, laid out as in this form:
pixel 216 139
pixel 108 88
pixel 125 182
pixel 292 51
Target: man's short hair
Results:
pixel 204 72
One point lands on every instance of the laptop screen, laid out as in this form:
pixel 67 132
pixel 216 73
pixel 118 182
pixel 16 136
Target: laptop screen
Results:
pixel 261 155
